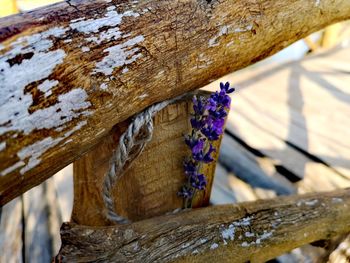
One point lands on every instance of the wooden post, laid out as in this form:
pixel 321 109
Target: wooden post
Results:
pixel 149 187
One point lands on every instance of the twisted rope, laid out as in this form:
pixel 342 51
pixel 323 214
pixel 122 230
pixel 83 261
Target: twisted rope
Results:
pixel 131 144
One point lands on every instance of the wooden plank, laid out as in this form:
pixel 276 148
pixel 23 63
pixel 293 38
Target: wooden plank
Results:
pixel 64 188
pixel 255 232
pixel 251 169
pixel 149 187
pixel 342 253
pixel 38 246
pixel 322 177
pixel 221 192
pixel 88 65
pixel 312 94
pixel 11 243
pixel 54 216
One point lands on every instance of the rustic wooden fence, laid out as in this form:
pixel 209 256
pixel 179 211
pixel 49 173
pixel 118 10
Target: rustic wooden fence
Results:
pixel 72 75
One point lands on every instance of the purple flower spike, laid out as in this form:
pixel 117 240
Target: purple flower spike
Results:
pixel 207 125
pixel 197 123
pixel 212 104
pixel 186 192
pixel 198 106
pixel 198 146
pixel 190 168
pixel 226 87
pixel 219 114
pixel 199 182
pixel 207 157
pixel 211 132
pixel 218 124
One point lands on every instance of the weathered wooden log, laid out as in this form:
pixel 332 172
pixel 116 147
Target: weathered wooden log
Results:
pixel 71 71
pixel 149 187
pixel 255 231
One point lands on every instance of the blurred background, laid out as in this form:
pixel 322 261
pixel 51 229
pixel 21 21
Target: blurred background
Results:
pixel 295 138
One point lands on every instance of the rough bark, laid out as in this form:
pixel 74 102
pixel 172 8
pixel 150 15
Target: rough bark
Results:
pixel 252 231
pixel 71 71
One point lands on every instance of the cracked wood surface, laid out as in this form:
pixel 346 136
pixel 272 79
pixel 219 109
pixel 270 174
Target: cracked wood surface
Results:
pixel 71 71
pixel 253 231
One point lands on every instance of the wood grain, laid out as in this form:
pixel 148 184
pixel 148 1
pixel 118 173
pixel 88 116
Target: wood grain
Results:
pixel 149 187
pixel 71 71
pixel 253 231
pixel 11 227
pixel 36 232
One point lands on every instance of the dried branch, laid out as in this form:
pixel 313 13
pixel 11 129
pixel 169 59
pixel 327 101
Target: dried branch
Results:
pixel 255 231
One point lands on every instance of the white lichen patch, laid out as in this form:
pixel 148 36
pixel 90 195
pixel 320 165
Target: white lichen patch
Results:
pixel 91 27
pixel 317 2
pixel 12 168
pixel 214 246
pixel 243 29
pixel 70 105
pixel 249 234
pixel 185 245
pixel 19 68
pixel 203 240
pixel 119 55
pixel 68 141
pixel 245 244
pixel 307 203
pixel 145 95
pixel 258 238
pixel 111 19
pixel 230 43
pixel 112 33
pixel 214 41
pixel 160 74
pixel 14 103
pixel 336 200
pixel 111 8
pixel 2 146
pixel 227 30
pixel 228 233
pixel 34 151
pixel 39 42
pixel 104 86
pixel 85 49
pixel 264 236
pixel 47 85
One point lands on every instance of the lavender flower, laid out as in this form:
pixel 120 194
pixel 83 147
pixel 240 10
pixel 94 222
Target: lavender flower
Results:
pixel 207 124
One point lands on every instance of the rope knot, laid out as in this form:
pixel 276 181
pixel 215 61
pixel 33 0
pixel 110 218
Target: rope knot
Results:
pixel 131 144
